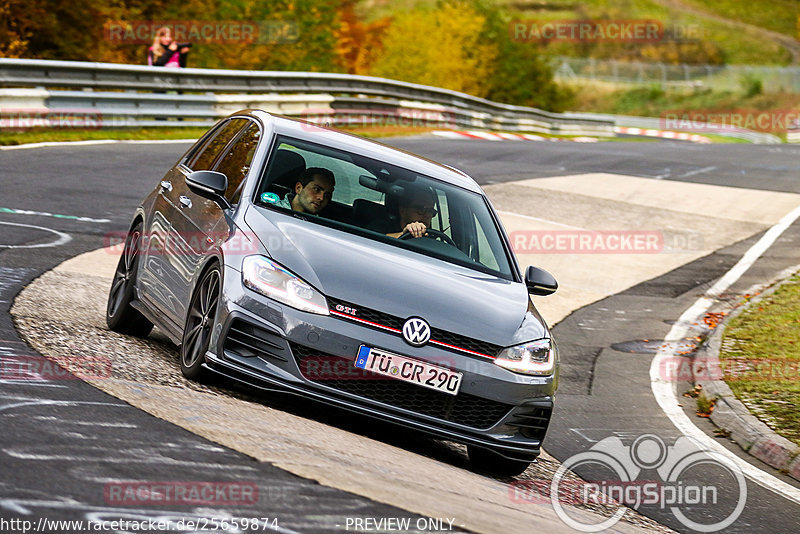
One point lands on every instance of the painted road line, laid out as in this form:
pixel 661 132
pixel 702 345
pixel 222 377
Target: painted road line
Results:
pixel 539 219
pixel 697 171
pixel 62 237
pixel 14 211
pixel 664 390
pixel 47 144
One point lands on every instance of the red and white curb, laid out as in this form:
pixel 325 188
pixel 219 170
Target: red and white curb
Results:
pixel 504 136
pixel 664 134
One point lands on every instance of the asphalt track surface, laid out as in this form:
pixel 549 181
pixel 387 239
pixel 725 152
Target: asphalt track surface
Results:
pixel 604 391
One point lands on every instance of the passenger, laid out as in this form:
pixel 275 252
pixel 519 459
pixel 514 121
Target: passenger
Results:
pixel 415 210
pixel 312 192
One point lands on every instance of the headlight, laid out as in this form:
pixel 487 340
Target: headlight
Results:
pixel 534 358
pixel 270 279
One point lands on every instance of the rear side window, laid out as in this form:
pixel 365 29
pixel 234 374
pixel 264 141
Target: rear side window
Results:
pixel 204 158
pixel 235 163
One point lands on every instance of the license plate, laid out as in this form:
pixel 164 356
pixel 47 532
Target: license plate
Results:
pixel 409 370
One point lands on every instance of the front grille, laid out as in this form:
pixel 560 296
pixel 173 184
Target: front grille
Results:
pixel 248 340
pixel 463 408
pixel 456 341
pixel 532 421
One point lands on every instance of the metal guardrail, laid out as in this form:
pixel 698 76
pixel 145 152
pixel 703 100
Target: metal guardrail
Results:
pixel 134 95
pixel 353 95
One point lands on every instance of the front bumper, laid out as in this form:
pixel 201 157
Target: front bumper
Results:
pixel 269 346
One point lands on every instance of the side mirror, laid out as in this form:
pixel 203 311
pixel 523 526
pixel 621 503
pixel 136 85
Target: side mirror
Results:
pixel 210 184
pixel 540 282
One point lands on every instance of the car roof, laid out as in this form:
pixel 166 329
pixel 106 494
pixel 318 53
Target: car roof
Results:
pixel 308 131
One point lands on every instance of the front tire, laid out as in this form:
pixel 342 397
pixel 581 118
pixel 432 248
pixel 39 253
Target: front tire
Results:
pixel 120 315
pixel 199 323
pixel 490 463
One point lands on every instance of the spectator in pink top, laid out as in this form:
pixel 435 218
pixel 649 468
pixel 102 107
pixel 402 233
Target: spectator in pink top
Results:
pixel 165 52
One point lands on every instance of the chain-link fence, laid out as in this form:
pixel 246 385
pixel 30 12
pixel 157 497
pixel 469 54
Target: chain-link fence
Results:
pixel 728 78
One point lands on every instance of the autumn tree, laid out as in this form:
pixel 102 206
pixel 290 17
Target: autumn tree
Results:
pixel 439 47
pixel 17 23
pixel 297 35
pixel 53 29
pixel 358 44
pixel 521 74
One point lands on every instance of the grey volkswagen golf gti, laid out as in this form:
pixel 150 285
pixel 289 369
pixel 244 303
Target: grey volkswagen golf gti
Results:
pixel 290 257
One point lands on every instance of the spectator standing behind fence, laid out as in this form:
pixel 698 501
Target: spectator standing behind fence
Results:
pixel 165 52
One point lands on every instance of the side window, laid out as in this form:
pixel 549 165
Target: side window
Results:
pixel 203 141
pixel 204 158
pixel 235 163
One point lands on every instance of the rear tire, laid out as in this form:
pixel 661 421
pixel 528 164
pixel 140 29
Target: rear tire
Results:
pixel 120 315
pixel 199 323
pixel 490 463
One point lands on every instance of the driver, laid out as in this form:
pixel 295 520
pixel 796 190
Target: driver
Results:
pixel 416 209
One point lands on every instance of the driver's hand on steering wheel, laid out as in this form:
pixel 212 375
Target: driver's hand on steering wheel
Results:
pixel 416 229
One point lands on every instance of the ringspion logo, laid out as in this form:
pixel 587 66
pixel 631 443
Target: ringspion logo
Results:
pixel 703 489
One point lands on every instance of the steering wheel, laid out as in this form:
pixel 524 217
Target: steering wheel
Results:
pixel 434 234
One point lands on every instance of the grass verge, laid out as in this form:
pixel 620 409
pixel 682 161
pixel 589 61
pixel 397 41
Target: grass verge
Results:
pixel 761 358
pixel 43 135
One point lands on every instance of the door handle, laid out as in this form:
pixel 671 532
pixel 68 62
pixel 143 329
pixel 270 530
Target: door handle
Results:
pixel 166 185
pixel 186 202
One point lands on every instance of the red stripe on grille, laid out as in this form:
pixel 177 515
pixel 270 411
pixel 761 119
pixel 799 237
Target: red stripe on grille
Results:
pixel 395 330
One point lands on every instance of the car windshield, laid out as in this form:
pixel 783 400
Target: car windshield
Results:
pixel 376 200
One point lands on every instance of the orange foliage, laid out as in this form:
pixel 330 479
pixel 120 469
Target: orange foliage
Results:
pixel 357 43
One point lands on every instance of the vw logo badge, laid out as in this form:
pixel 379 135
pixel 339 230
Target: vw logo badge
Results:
pixel 416 331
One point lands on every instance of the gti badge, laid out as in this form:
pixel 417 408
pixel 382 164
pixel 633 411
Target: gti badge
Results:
pixel 416 331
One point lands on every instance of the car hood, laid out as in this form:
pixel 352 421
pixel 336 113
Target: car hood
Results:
pixel 397 281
